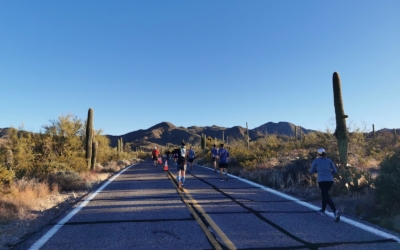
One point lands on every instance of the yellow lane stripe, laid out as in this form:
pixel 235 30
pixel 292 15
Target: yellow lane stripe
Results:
pixel 210 237
pixel 210 221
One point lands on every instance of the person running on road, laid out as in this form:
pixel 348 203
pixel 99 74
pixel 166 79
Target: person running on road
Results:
pixel 223 162
pixel 214 155
pixel 325 169
pixel 176 158
pixel 182 156
pixel 192 155
pixel 154 155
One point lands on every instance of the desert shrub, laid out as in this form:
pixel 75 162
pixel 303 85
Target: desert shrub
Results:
pixel 387 185
pixel 67 181
pixel 351 179
pixel 123 163
pixel 297 171
pixel 111 167
pixel 21 196
pixel 6 176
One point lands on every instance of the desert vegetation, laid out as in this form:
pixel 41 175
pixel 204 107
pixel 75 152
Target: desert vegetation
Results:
pixel 34 166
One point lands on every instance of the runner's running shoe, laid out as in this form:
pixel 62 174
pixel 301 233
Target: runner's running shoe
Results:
pixel 321 212
pixel 337 215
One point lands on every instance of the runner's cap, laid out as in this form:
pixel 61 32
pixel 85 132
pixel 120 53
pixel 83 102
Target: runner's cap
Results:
pixel 320 151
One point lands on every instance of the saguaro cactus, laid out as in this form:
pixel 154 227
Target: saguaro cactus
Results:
pixel 223 139
pixel 301 134
pixel 95 145
pixel 119 146
pixel 9 159
pixel 247 135
pixel 341 132
pixel 373 130
pixel 89 137
pixel 203 141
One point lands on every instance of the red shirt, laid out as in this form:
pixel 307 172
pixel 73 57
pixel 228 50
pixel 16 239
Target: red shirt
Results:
pixel 155 152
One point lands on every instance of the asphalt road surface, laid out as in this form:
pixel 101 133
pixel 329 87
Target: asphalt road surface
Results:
pixel 141 208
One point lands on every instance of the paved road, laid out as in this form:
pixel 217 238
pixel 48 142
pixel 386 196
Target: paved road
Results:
pixel 142 209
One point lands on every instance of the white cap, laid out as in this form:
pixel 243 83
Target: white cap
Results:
pixel 155 147
pixel 320 151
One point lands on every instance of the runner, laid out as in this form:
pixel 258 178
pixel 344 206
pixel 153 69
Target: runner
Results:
pixel 325 169
pixel 223 162
pixel 155 154
pixel 176 158
pixel 182 165
pixel 214 155
pixel 192 155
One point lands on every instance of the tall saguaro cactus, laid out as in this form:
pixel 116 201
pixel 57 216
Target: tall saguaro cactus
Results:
pixel 341 132
pixel 95 145
pixel 89 137
pixel 247 135
pixel 9 159
pixel 120 146
pixel 301 134
pixel 203 141
pixel 373 130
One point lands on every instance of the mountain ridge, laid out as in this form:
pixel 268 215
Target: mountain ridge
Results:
pixel 166 132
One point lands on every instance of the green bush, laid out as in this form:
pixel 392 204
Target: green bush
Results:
pixel 387 185
pixel 6 175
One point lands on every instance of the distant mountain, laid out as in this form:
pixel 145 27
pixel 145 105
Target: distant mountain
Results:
pixel 165 132
pixel 280 128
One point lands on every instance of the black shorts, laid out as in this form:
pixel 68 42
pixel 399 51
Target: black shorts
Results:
pixel 181 166
pixel 191 160
pixel 214 159
pixel 223 165
pixel 155 158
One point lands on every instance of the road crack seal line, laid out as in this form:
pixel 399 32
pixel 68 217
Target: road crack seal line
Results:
pixel 203 219
pixel 121 221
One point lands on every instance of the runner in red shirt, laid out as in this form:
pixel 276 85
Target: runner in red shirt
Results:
pixel 155 154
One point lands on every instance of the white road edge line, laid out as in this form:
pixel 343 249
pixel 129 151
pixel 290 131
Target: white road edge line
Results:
pixel 38 244
pixel 344 219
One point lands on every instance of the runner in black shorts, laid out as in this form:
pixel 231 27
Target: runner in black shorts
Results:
pixel 223 162
pixel 214 155
pixel 182 156
pixel 192 155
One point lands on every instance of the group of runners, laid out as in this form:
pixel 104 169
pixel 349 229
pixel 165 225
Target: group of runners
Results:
pixel 323 166
pixel 182 157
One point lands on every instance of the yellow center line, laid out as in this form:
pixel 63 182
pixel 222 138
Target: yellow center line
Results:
pixel 228 243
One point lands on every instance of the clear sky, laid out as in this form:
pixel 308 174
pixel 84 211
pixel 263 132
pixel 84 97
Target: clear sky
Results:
pixel 199 62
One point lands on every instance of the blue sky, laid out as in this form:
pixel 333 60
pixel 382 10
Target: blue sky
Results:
pixel 203 63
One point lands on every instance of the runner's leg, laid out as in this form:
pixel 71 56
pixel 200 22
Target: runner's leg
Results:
pixel 183 174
